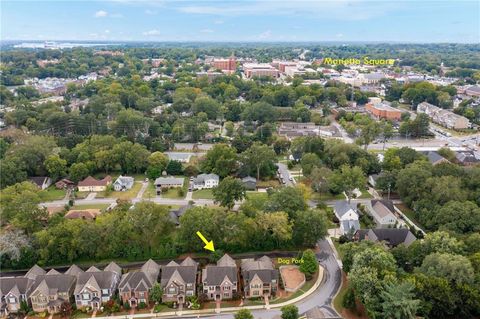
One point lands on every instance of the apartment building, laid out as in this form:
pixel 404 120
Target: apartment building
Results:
pixel 259 69
pixel 382 110
pixel 444 117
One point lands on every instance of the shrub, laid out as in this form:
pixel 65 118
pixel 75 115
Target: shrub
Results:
pixel 126 306
pixel 141 305
pixel 348 300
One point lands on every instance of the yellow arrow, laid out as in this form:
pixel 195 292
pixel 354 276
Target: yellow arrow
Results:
pixel 208 244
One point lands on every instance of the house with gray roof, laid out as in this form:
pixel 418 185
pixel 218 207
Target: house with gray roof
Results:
pixel 467 158
pixel 250 183
pixel 179 156
pixel 34 272
pixel 175 214
pixel 74 270
pixel 123 183
pixel 49 292
pixel 260 278
pixel 220 281
pixel 167 182
pixel 347 216
pixel 94 287
pixel 205 181
pixel 134 288
pixel 13 291
pixel 391 237
pixel 178 281
pixel 434 158
pixel 382 212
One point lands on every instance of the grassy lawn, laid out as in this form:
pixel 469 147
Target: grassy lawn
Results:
pixel 172 193
pixel 410 214
pixel 81 195
pixel 338 247
pixel 327 196
pixel 337 301
pixel 129 194
pixel 52 193
pixel 150 192
pixel 203 194
pixel 256 195
pixel 91 206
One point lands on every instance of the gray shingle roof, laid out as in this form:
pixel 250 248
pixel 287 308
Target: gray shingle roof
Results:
pixel 100 279
pixel 34 272
pixel 74 270
pixel 113 267
pixel 262 267
pixel 168 181
pixel 342 207
pixel 393 236
pixel 16 285
pixel 53 283
pixel 187 270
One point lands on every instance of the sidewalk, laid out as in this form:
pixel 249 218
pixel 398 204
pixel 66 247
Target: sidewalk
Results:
pixel 202 312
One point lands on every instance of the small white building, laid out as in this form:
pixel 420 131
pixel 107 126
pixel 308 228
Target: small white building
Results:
pixel 347 216
pixel 123 183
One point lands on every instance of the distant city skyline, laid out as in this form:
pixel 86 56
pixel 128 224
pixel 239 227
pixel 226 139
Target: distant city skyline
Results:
pixel 242 21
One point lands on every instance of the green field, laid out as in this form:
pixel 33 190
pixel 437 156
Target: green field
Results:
pixel 52 193
pixel 172 193
pixel 126 195
pixel 203 194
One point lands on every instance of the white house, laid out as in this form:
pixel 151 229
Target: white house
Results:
pixel 382 212
pixel 347 216
pixel 123 183
pixel 205 181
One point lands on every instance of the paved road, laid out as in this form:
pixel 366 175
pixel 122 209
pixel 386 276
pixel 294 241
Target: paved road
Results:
pixel 322 297
pixel 285 174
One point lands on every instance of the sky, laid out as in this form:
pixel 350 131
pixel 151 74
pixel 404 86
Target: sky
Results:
pixel 242 21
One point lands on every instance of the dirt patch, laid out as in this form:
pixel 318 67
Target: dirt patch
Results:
pixel 293 278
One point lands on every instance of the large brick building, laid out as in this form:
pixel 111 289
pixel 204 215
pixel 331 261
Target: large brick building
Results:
pixel 383 110
pixel 226 65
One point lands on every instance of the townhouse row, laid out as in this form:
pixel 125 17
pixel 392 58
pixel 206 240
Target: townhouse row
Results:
pixel 47 291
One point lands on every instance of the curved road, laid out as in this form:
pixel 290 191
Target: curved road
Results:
pixel 321 298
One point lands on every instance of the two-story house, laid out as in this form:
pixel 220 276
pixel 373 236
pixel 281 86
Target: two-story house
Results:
pixel 347 216
pixel 220 281
pixel 13 291
pixel 260 278
pixel 94 287
pixel 205 181
pixel 383 213
pixel 178 281
pixel 49 292
pixel 135 286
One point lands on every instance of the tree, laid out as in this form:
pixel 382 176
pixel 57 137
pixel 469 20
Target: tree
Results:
pixel 368 133
pixel 258 156
pixel 20 206
pixel 320 177
pixel 309 162
pixel 156 293
pixel 455 268
pixel 289 312
pixel 386 131
pixel 459 217
pixel 157 163
pixel 221 159
pixel 174 168
pixel 288 199
pixel 347 179
pixel 229 190
pixel 56 166
pixel 244 314
pixel 309 264
pixel 309 226
pixel 398 301
pixel 78 171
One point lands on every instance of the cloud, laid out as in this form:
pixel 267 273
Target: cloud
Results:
pixel 218 21
pixel 339 9
pixel 101 14
pixel 265 35
pixel 151 33
pixel 206 31
pixel 151 12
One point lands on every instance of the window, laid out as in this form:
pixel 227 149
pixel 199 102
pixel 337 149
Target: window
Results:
pixel 189 293
pixel 85 296
pixel 141 294
pixel 226 295
pixel 12 300
pixel 104 292
pixel 171 290
pixel 255 292
pixel 226 288
pixel 211 288
pixel 189 285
